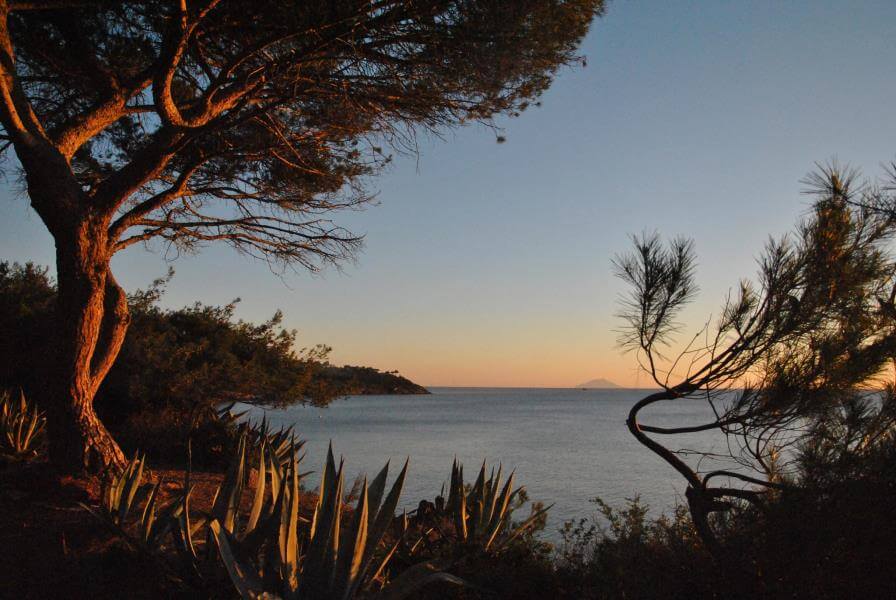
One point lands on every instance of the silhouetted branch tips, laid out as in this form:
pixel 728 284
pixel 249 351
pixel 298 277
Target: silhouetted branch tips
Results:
pixel 662 282
pixel 786 353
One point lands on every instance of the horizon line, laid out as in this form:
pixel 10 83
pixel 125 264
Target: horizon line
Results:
pixel 538 387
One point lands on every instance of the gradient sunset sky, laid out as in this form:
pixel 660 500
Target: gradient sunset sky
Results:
pixel 489 264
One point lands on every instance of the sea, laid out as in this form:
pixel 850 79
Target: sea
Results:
pixel 565 446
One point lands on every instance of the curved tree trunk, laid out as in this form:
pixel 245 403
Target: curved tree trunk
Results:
pixel 699 504
pixel 92 315
pixel 92 322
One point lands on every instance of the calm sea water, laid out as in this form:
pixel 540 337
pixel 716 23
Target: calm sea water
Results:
pixel 566 445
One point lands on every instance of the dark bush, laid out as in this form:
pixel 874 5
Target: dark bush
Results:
pixel 175 367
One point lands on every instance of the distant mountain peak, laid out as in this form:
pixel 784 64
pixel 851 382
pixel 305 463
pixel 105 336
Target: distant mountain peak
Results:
pixel 599 384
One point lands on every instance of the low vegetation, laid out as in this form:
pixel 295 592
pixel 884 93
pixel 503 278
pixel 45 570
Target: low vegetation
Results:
pixel 829 534
pixel 333 554
pixel 475 518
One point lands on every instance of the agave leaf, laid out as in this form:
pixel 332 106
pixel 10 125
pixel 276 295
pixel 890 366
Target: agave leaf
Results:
pixel 27 424
pixel 147 519
pixel 258 501
pixel 227 499
pixel 351 555
pixel 387 511
pixel 274 531
pixel 332 548
pixel 327 487
pixel 244 579
pixel 325 481
pixel 283 510
pixel 456 484
pixel 291 539
pixel 116 485
pixel 268 528
pixel 226 409
pixel 380 524
pixel 108 498
pixel 479 486
pixel 525 525
pixel 377 488
pixel 386 558
pixel 318 559
pixel 381 565
pixel 186 530
pixel 131 484
pixel 276 475
pixel 500 514
pixel 461 518
pixel 476 502
pixel 167 517
pixel 491 501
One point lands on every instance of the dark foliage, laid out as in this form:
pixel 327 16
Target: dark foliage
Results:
pixel 348 380
pixel 247 124
pixel 27 302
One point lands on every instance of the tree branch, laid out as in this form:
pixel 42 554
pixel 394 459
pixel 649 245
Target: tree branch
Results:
pixel 147 164
pixel 117 229
pixel 16 111
pixel 113 329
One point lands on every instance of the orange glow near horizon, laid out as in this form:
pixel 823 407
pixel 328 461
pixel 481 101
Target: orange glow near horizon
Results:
pixel 536 358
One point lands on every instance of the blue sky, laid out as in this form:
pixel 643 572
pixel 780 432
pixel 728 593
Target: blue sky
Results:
pixel 489 264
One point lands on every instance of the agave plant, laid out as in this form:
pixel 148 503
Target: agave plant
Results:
pixel 481 514
pixel 123 494
pixel 121 490
pixel 21 425
pixel 270 468
pixel 275 552
pixel 281 444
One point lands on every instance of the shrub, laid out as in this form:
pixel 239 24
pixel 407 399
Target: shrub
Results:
pixel 175 369
pixel 21 426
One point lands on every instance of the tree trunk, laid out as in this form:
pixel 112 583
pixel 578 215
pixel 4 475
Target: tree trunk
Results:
pixel 699 503
pixel 92 321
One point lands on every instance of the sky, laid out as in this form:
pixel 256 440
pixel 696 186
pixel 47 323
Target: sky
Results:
pixel 489 264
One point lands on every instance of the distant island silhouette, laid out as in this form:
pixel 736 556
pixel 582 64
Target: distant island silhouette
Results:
pixel 598 384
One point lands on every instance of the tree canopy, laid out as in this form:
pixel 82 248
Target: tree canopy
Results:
pixel 242 123
pixel 788 355
pixel 247 123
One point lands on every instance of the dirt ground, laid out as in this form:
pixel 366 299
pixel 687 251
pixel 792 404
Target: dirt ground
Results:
pixel 52 547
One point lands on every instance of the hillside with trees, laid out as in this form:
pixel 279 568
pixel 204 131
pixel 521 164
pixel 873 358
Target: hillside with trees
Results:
pixel 349 380
pixel 177 365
